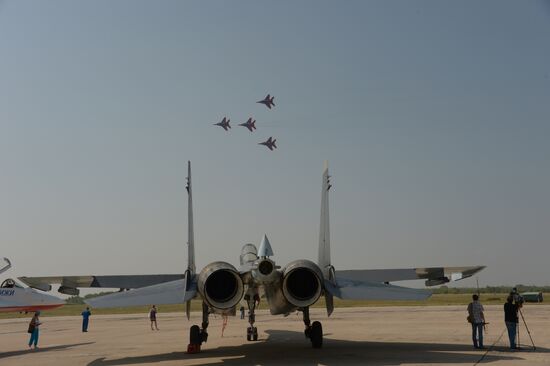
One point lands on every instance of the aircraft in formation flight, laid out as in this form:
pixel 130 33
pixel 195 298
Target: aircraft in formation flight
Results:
pixel 250 124
pixel 224 123
pixel 15 298
pixel 267 101
pixel 294 287
pixel 270 143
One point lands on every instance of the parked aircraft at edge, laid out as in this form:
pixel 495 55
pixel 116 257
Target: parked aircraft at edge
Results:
pixel 15 298
pixel 295 287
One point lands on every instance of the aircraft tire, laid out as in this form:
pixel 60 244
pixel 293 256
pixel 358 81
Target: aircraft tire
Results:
pixel 316 335
pixel 195 335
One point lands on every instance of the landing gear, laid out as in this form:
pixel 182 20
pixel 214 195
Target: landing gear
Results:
pixel 251 334
pixel 198 335
pixel 314 331
pixel 251 331
pixel 316 335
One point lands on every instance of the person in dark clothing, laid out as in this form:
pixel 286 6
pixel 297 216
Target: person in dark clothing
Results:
pixel 511 319
pixel 153 317
pixel 85 319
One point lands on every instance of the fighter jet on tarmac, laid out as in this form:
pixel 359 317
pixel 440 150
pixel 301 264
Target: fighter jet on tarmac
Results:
pixel 268 101
pixel 250 124
pixel 221 286
pixel 224 123
pixel 270 143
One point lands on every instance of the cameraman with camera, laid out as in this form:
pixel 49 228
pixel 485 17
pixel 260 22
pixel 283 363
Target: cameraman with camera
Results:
pixel 511 308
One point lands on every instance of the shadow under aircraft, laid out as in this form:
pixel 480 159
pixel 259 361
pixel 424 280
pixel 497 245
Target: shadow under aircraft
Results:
pixel 284 347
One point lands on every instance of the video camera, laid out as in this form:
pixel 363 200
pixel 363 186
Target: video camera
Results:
pixel 518 299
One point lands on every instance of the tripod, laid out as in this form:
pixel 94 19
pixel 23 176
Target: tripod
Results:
pixel 528 332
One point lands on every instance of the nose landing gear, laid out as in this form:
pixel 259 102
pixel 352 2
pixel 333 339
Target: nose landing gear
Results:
pixel 251 331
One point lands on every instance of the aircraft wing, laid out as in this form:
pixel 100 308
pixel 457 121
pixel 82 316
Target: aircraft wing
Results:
pixel 348 289
pixel 173 292
pixel 117 281
pixel 433 275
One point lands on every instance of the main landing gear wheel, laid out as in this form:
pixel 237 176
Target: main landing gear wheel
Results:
pixel 316 335
pixel 252 334
pixel 195 339
pixel 195 335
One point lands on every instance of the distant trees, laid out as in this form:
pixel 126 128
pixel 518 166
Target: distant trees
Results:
pixel 490 289
pixel 78 300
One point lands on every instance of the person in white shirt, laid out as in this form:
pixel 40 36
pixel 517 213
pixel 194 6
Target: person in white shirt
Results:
pixel 477 318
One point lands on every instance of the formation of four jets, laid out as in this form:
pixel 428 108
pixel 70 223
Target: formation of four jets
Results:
pixel 251 123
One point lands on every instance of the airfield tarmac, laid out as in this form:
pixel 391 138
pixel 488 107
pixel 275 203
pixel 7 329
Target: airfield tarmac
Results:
pixel 401 335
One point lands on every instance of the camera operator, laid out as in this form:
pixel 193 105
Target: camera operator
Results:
pixel 511 308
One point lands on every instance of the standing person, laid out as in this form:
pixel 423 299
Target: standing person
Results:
pixel 153 317
pixel 224 322
pixel 242 312
pixel 511 319
pixel 85 319
pixel 477 317
pixel 34 330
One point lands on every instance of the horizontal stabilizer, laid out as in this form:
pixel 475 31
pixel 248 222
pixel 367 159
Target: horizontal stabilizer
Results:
pixel 347 289
pixel 173 292
pixel 432 275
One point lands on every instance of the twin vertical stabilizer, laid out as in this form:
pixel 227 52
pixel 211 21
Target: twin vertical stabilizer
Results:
pixel 190 272
pixel 324 238
pixel 190 234
pixel 324 228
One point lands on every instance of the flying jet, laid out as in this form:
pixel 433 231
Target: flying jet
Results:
pixel 270 143
pixel 295 287
pixel 16 298
pixel 224 123
pixel 268 101
pixel 250 124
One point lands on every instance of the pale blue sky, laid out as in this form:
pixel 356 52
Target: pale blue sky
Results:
pixel 434 116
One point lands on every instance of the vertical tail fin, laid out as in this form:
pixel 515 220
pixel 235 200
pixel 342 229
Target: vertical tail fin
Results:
pixel 190 233
pixel 7 266
pixel 324 238
pixel 190 272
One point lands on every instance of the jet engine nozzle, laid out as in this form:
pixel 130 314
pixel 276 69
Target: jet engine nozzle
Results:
pixel 302 283
pixel 220 285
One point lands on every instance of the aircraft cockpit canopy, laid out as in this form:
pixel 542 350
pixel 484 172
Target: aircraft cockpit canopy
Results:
pixel 9 283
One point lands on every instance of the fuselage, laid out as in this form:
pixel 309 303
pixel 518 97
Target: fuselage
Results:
pixel 297 285
pixel 14 298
